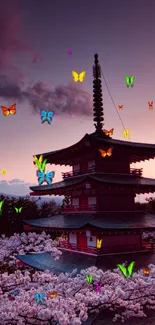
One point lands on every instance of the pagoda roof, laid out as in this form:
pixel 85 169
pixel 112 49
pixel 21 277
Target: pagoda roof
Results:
pixel 120 179
pixel 112 221
pixel 67 262
pixel 66 155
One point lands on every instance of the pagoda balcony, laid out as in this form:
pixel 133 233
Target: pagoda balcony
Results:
pixel 133 171
pixel 82 208
pixel 74 247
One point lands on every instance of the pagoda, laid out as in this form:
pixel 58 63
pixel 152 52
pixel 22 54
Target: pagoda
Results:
pixel 100 217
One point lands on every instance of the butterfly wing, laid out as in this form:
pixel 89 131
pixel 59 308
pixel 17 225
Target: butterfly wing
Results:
pixel 75 76
pixel 127 81
pixel 1 204
pixel 87 277
pixel 13 109
pixel 132 78
pixel 130 268
pixel 42 295
pixel 82 76
pixel 103 153
pixel 90 278
pixel 5 110
pixel 49 176
pixel 123 269
pixel 106 132
pixel 111 131
pixel 109 152
pixel 20 210
pixel 41 177
pixel 16 209
pixel 41 159
pixel 43 114
pixel 43 166
pixel 120 107
pixel 49 117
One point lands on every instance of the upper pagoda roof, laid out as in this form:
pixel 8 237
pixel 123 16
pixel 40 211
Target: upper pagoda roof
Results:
pixel 137 151
pixel 124 179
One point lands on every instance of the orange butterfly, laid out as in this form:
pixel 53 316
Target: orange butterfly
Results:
pixel 108 132
pixel 146 271
pixel 120 107
pixel 150 105
pixel 106 153
pixel 11 110
pixel 53 294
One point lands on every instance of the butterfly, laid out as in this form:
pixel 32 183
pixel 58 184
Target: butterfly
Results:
pixel 150 105
pixel 39 297
pixel 146 271
pixel 127 270
pixel 106 153
pixel 40 163
pixel 120 107
pixel 108 132
pixel 42 177
pixel 11 110
pixel 129 80
pixel 46 116
pixel 18 210
pixel 98 287
pixel 99 243
pixel 1 204
pixel 78 77
pixel 3 171
pixel 53 294
pixel 126 133
pixel 69 52
pixel 89 278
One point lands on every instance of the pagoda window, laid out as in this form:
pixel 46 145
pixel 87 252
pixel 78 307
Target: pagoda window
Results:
pixel 76 169
pixel 91 241
pixel 88 186
pixel 91 165
pixel 72 238
pixel 92 201
pixel 75 202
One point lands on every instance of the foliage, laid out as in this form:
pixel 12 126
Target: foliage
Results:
pixel 76 298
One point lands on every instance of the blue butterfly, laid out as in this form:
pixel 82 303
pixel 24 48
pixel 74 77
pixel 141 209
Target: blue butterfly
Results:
pixel 46 116
pixel 42 177
pixel 39 297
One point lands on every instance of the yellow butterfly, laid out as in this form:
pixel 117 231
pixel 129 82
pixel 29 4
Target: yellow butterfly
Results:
pixel 99 243
pixel 126 133
pixel 3 171
pixel 35 160
pixel 78 77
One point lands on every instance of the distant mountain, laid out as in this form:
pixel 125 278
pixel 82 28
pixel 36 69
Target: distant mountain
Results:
pixel 58 200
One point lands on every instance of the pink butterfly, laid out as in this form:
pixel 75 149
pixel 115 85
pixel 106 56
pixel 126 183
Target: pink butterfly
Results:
pixel 98 287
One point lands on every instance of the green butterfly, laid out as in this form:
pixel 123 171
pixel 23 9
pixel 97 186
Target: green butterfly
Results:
pixel 18 210
pixel 129 80
pixel 89 278
pixel 1 204
pixel 127 270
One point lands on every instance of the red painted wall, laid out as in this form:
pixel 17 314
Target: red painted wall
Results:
pixel 121 242
pixel 82 240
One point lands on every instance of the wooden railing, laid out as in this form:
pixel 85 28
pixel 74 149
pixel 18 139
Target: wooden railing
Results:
pixel 133 171
pixel 84 208
pixel 148 245
pixel 91 250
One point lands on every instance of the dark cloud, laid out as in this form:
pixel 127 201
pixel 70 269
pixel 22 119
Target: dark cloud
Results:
pixel 69 99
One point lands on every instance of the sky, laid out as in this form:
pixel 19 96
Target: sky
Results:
pixel 35 73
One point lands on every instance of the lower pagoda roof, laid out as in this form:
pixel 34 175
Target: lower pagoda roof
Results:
pixel 67 262
pixel 106 221
pixel 113 179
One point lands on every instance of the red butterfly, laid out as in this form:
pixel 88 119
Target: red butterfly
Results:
pixel 53 294
pixel 11 110
pixel 120 107
pixel 108 132
pixel 150 105
pixel 146 271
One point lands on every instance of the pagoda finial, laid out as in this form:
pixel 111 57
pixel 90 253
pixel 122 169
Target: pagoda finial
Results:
pixel 97 96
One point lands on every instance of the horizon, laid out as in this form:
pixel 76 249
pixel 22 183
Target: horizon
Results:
pixel 35 73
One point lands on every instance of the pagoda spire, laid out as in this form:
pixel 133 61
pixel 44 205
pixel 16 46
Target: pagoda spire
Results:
pixel 97 96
